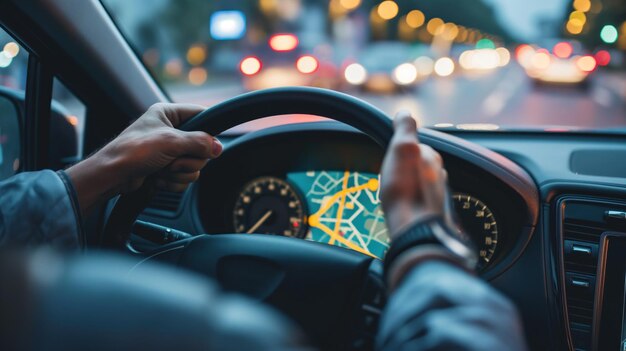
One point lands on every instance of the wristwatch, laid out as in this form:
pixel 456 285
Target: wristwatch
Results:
pixel 435 231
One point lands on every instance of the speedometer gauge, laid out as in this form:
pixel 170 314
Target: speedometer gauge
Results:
pixel 269 205
pixel 479 223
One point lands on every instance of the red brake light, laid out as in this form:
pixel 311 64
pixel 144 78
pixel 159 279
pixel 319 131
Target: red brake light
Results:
pixel 603 57
pixel 563 50
pixel 522 50
pixel 250 66
pixel 307 64
pixel 283 42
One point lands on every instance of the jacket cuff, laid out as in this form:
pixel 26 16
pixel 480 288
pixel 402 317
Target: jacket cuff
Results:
pixel 411 258
pixel 71 191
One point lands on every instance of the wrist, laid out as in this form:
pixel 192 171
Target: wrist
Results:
pixel 403 216
pixel 96 179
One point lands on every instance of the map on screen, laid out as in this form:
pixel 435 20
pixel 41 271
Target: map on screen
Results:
pixel 344 209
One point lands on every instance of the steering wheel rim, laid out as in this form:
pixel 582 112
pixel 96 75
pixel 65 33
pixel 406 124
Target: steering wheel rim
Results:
pixel 249 107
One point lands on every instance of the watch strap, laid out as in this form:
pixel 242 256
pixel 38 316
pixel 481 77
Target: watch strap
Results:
pixel 428 231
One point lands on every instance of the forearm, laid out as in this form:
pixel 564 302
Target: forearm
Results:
pixel 439 306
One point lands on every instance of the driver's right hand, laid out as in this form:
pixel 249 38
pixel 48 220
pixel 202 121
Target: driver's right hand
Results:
pixel 413 180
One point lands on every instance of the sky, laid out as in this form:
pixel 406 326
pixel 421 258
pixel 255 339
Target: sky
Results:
pixel 521 16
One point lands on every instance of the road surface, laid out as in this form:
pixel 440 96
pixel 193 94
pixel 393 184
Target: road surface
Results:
pixel 504 98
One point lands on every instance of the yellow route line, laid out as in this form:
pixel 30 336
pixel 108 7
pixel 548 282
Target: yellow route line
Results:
pixel 314 219
pixel 335 196
pixel 343 240
pixel 342 203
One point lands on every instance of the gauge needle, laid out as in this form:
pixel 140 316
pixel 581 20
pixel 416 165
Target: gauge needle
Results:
pixel 259 222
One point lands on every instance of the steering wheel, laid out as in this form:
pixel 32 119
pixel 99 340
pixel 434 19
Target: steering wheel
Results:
pixel 334 294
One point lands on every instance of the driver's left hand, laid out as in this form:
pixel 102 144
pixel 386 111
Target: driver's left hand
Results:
pixel 150 146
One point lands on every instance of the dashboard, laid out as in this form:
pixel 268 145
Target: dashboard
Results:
pixel 322 184
pixel 343 208
pixel 534 189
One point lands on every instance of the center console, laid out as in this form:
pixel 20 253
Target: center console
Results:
pixel 590 247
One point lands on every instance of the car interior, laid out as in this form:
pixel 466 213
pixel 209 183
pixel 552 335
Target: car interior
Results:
pixel 545 206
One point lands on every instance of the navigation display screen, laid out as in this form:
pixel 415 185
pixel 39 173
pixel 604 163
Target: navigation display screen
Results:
pixel 344 209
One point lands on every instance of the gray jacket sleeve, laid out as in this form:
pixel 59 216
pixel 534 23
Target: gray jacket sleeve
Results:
pixel 441 307
pixel 39 208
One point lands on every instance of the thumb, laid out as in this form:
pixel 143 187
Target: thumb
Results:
pixel 404 124
pixel 197 145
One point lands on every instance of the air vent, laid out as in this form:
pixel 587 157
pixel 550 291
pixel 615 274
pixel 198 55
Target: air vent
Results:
pixel 165 203
pixel 582 226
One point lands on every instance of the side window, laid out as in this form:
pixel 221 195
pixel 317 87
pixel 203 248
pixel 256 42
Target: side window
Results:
pixel 66 126
pixel 9 138
pixel 13 70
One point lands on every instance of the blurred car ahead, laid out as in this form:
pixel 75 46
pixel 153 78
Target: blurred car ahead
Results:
pixel 281 62
pixel 384 67
pixel 562 65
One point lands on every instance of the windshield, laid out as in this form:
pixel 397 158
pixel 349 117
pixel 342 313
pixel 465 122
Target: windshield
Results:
pixel 551 65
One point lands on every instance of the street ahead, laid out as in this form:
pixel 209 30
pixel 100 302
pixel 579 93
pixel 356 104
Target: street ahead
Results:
pixel 505 97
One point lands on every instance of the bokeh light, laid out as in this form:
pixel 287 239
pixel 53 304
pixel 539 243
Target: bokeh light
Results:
pixel 485 44
pixel 336 9
pixel 444 67
pixel 250 66
pixel 388 9
pixel 268 6
pixel 5 60
pixel 283 42
pixel 415 19
pixel 582 5
pixel 586 63
pixel 448 31
pixel 227 25
pixel 73 120
pixel 307 64
pixel 540 60
pixel 424 65
pixel 11 49
pixel 355 74
pixel 288 10
pixel 463 34
pixel 609 34
pixel 481 59
pixel 197 75
pixel 505 56
pixel 574 27
pixel 524 54
pixel 405 74
pixel 578 16
pixel 433 25
pixel 603 57
pixel 196 55
pixel 174 67
pixel 350 4
pixel 563 50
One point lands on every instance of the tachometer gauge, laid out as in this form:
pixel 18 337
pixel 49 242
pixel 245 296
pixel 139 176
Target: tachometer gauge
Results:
pixel 269 205
pixel 479 223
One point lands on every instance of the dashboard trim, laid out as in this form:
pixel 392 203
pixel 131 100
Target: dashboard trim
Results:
pixel 498 165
